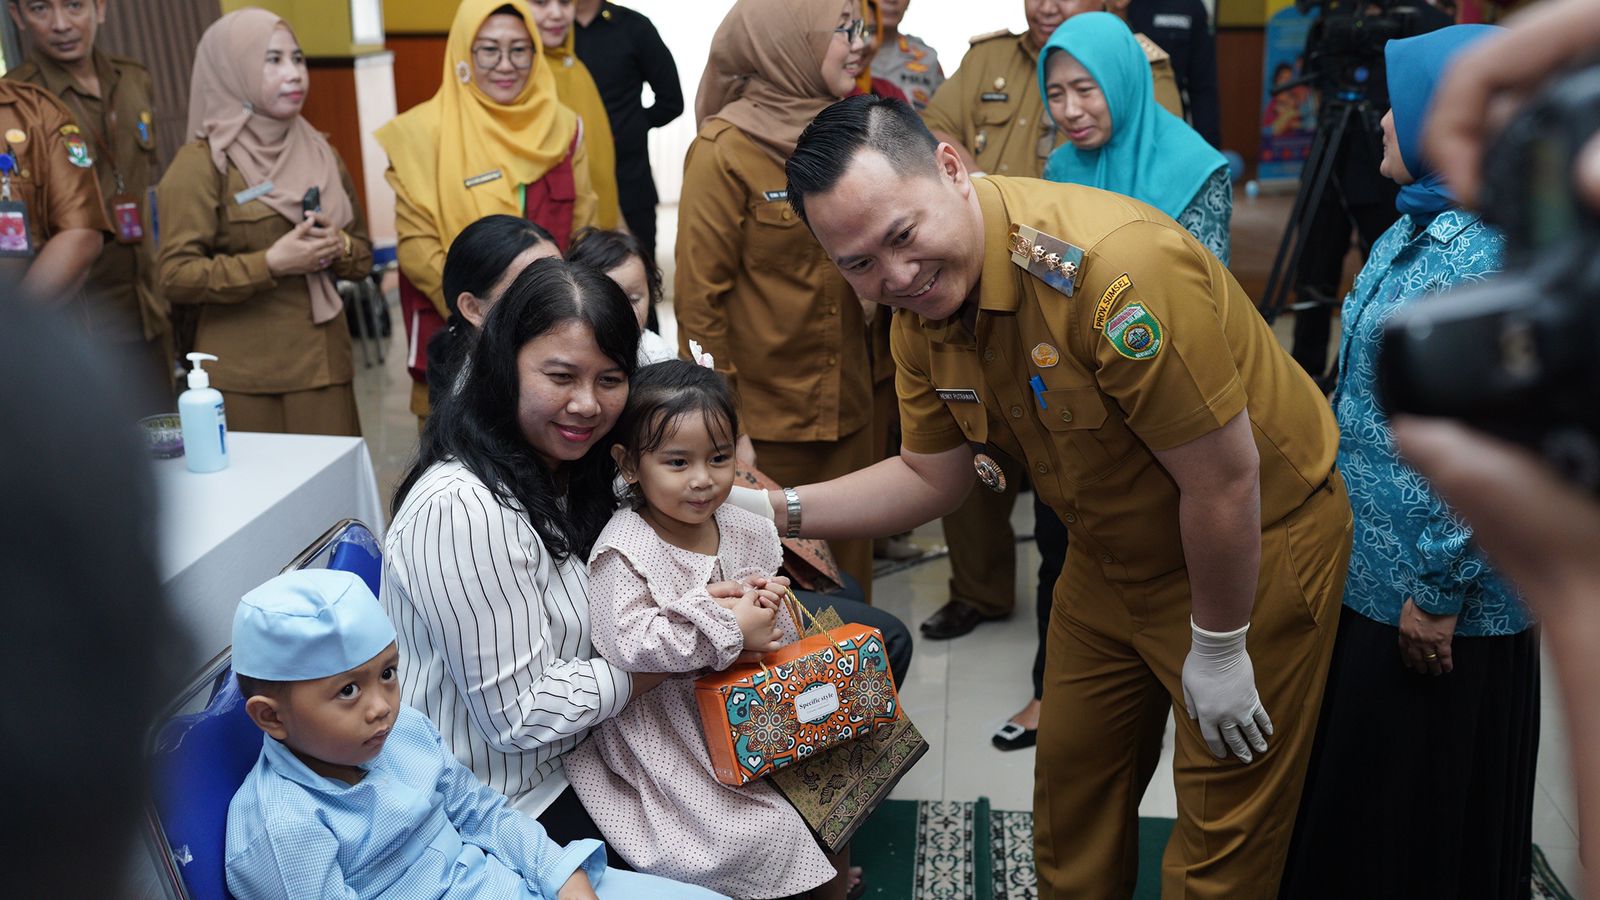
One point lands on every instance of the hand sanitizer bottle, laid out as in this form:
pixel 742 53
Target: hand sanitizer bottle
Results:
pixel 205 427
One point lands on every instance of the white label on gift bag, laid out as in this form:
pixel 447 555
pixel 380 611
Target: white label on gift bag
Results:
pixel 816 703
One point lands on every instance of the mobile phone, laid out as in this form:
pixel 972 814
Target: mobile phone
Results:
pixel 312 201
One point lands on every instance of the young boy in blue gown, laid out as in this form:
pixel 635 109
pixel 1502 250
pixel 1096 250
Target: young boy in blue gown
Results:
pixel 355 795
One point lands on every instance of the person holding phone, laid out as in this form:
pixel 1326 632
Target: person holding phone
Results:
pixel 258 220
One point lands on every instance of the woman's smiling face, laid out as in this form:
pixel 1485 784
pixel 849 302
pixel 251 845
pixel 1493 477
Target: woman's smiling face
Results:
pixel 569 392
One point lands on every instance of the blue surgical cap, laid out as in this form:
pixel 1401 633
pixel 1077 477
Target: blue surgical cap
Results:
pixel 306 625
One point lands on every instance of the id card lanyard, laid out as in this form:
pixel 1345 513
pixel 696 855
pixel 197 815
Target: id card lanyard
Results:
pixel 15 238
pixel 125 213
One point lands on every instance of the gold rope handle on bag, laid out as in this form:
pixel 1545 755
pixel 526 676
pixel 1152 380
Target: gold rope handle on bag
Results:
pixel 820 630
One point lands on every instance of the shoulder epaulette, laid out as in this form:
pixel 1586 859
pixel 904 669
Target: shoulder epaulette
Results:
pixel 980 38
pixel 1152 51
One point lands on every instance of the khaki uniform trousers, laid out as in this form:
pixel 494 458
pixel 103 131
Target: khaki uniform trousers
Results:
pixel 804 462
pixel 1113 668
pixel 983 546
pixel 325 410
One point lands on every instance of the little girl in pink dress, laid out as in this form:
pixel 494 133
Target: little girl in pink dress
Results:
pixel 645 775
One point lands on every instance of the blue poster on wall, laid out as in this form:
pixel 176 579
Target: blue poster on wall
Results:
pixel 1288 118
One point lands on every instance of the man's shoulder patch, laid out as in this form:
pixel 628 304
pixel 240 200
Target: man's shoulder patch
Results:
pixel 1102 310
pixel 1135 333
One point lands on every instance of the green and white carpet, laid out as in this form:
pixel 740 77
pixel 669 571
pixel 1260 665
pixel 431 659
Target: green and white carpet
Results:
pixel 950 850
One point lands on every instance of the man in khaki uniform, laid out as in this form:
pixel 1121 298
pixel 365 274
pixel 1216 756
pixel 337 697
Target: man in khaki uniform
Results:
pixel 110 101
pixel 52 223
pixel 1093 341
pixel 990 110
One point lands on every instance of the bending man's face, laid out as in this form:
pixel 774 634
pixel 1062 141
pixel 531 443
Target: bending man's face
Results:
pixel 910 240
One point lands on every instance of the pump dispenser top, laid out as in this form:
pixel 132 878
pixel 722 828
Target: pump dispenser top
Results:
pixel 197 375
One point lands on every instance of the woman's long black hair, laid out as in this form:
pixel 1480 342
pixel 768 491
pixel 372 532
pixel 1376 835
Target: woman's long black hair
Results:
pixel 478 425
pixel 476 261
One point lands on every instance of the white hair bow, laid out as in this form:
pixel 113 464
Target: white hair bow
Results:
pixel 699 356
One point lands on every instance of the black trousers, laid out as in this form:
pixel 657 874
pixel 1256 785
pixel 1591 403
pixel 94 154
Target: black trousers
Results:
pixel 850 606
pixel 1420 785
pixel 642 222
pixel 1327 242
pixel 565 821
pixel 1051 537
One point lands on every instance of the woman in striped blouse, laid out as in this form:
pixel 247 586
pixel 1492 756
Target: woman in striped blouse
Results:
pixel 485 577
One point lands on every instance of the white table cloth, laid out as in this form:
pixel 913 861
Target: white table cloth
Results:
pixel 223 533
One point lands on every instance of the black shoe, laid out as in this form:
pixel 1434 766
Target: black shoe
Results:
pixel 953 620
pixel 1012 736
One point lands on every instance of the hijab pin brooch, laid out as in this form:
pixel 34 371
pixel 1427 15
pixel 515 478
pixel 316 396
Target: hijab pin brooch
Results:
pixel 463 71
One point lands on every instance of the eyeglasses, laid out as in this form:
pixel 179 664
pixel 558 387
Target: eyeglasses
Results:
pixel 857 30
pixel 488 56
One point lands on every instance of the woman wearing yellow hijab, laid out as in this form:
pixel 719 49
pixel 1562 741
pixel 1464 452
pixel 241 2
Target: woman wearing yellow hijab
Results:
pixel 578 92
pixel 494 139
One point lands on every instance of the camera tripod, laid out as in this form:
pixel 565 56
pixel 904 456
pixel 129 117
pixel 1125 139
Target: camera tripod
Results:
pixel 1334 120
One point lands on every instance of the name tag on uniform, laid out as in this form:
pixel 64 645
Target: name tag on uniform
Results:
pixel 1171 20
pixel 957 395
pixel 994 97
pixel 777 195
pixel 253 193
pixel 485 178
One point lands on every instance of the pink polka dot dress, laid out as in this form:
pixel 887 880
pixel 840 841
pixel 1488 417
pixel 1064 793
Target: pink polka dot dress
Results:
pixel 645 775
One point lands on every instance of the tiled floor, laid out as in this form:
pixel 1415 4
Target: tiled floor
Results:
pixel 959 691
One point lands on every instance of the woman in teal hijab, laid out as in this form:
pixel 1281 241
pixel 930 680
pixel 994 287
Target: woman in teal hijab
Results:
pixel 1097 88
pixel 1423 777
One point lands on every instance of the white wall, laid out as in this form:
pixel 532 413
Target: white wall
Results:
pixel 687 27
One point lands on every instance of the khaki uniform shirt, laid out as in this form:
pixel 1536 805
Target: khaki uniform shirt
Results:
pixel 214 252
pixel 55 174
pixel 1156 347
pixel 123 304
pixel 756 290
pixel 993 107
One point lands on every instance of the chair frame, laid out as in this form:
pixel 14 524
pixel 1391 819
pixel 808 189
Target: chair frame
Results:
pixel 322 544
pixel 203 687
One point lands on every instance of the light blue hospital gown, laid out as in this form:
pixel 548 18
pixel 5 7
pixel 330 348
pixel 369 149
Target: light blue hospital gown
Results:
pixel 420 825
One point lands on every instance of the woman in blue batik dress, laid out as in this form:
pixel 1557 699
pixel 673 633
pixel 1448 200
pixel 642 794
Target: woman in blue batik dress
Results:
pixel 1422 780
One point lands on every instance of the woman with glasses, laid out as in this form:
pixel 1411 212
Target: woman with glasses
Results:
pixel 495 139
pixel 577 89
pixel 752 285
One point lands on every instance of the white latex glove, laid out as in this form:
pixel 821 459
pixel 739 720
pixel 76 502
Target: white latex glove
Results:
pixel 752 500
pixel 1219 690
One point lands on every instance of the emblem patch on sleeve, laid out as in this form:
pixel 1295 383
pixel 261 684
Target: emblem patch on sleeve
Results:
pixel 1102 311
pixel 77 150
pixel 1135 333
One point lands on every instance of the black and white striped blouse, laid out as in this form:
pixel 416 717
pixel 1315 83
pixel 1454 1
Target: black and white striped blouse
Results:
pixel 494 635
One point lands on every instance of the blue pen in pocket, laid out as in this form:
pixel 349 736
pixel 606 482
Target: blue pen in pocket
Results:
pixel 1037 384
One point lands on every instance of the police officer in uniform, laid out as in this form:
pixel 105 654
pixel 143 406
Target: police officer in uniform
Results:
pixel 1096 343
pixel 991 112
pixel 110 100
pixel 52 223
pixel 905 59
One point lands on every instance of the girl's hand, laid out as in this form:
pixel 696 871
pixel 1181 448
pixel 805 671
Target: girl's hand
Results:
pixel 758 624
pixel 727 593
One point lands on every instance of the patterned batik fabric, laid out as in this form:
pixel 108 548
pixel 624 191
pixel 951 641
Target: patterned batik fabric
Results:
pixel 1210 213
pixel 1407 542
